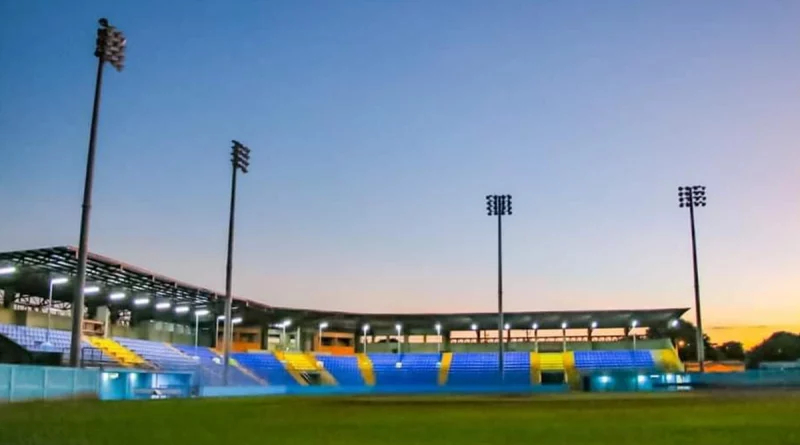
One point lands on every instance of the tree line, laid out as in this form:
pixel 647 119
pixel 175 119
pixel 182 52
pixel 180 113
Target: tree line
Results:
pixel 779 347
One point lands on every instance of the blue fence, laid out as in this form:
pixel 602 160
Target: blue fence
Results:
pixel 760 378
pixel 239 391
pixel 19 383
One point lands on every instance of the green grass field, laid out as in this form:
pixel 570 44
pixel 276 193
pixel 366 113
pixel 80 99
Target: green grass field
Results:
pixel 768 419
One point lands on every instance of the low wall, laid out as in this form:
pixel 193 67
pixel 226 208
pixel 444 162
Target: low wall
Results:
pixel 21 382
pixel 240 391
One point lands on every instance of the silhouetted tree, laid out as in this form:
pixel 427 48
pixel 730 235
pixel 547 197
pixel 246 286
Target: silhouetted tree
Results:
pixel 732 350
pixel 684 337
pixel 778 347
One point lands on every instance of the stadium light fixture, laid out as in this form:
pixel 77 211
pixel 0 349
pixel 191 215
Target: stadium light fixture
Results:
pixel 506 326
pixel 365 329
pixel 564 335
pixel 691 197
pixel 594 325
pixel 535 326
pixel 240 161
pixel 499 206
pixel 181 309
pixel 674 323
pixel 143 301
pixel 163 305
pixel 7 270
pixel 116 296
pixel 236 320
pixel 474 327
pixel 53 282
pixel 322 325
pixel 197 314
pixel 91 290
pixel 110 47
pixel 564 325
pixel 438 327
pixel 634 323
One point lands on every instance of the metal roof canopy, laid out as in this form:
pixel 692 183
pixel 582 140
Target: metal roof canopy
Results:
pixel 37 266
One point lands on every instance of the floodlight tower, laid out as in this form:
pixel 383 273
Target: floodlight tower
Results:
pixel 240 160
pixel 499 205
pixel 110 47
pixel 691 197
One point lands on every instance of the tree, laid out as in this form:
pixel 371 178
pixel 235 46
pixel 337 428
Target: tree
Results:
pixel 778 347
pixel 731 350
pixel 684 337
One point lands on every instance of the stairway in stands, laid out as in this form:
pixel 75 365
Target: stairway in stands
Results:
pixel 121 354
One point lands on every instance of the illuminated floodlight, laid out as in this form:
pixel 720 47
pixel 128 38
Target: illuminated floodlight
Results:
pixel 59 280
pixel 181 309
pixel 8 270
pixel 117 296
pixel 474 327
pixel 141 301
pixel 634 323
pixel 365 328
pixel 236 320
pixel 604 379
pixel 438 327
pixel 163 305
pixel 286 323
pixel 594 324
pixel 535 326
pixel 323 325
pixel 201 312
pixel 220 317
pixel 506 326
pixel 89 290
pixel 674 323
pixel 564 325
pixel 399 327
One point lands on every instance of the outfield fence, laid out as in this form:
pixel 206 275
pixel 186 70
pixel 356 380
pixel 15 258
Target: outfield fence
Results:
pixel 21 383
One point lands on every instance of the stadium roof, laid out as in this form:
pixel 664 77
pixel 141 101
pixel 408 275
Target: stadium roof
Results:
pixel 36 267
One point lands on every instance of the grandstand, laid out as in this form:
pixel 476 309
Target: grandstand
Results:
pixel 141 320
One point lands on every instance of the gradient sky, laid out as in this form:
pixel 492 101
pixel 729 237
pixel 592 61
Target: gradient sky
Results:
pixel 378 127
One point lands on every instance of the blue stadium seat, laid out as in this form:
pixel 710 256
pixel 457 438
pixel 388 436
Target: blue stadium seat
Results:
pixel 406 369
pixel 481 368
pixel 35 340
pixel 163 356
pixel 599 360
pixel 210 365
pixel 267 367
pixel 344 368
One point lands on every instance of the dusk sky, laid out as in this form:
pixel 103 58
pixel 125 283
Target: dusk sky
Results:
pixel 378 127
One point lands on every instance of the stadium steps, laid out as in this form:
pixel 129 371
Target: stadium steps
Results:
pixel 365 367
pixel 571 374
pixel 667 360
pixel 304 362
pixel 244 370
pixel 444 368
pixel 296 374
pixel 119 353
pixel 536 366
pixel 551 361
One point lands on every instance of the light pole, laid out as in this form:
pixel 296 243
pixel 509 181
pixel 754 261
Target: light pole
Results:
pixel 110 48
pixel 535 337
pixel 399 328
pixel 564 336
pixel 53 282
pixel 365 329
pixel 438 337
pixel 499 205
pixel 286 323
pixel 691 197
pixel 322 326
pixel 240 160
pixel 634 323
pixel 197 314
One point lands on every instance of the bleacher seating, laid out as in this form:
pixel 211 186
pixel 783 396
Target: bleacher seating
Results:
pixel 599 360
pixel 344 368
pixel 35 340
pixel 408 369
pixel 481 368
pixel 211 368
pixel 267 367
pixel 161 355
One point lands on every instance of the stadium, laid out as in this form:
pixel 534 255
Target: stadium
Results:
pixel 147 336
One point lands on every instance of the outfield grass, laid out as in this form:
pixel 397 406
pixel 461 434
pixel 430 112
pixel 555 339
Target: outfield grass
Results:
pixel 577 419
